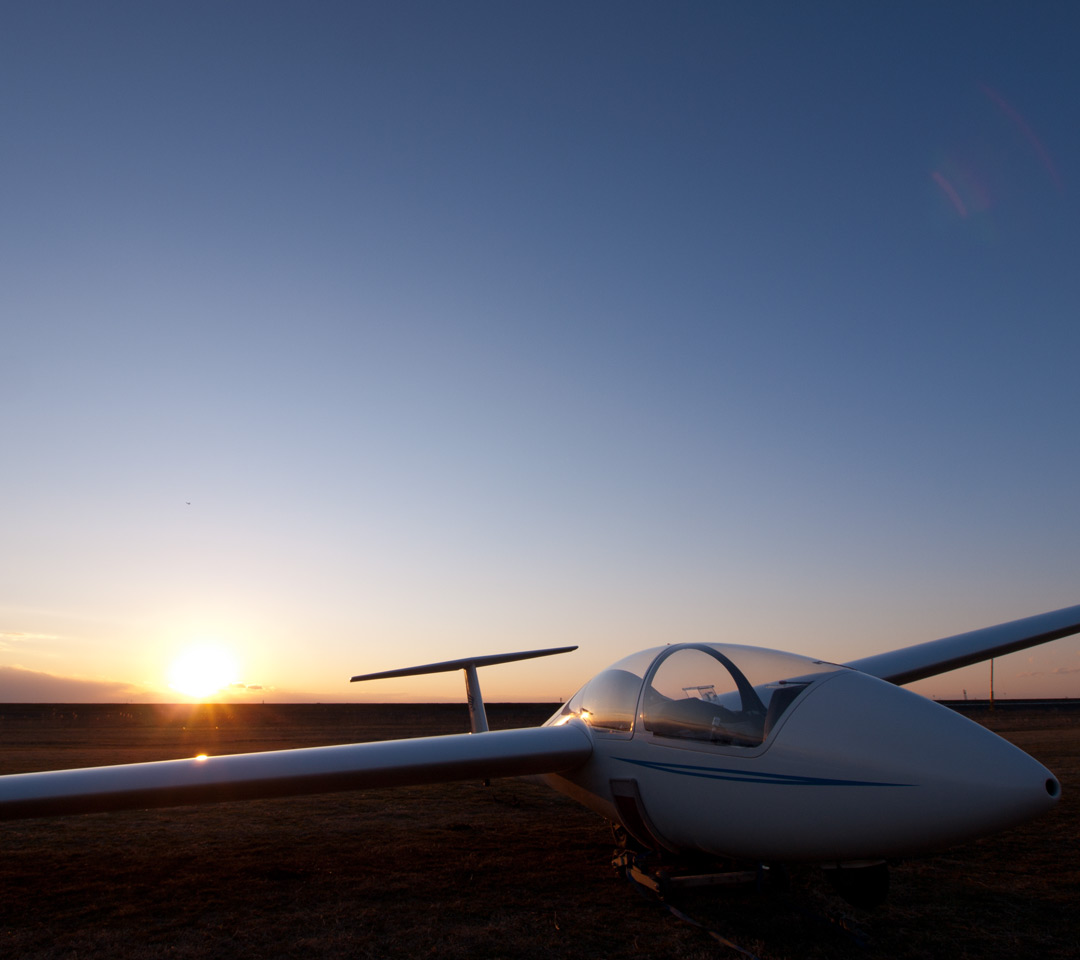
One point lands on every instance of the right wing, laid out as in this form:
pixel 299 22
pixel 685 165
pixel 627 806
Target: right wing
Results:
pixel 939 656
pixel 284 773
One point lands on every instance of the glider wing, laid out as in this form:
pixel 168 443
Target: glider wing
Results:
pixel 939 656
pixel 283 773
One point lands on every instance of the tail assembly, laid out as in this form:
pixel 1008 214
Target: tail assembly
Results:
pixel 477 714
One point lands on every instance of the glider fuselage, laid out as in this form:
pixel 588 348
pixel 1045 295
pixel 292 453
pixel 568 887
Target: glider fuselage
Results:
pixel 821 762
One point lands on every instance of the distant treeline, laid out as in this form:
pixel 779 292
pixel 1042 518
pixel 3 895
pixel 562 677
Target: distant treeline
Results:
pixel 263 714
pixel 1062 705
pixel 293 715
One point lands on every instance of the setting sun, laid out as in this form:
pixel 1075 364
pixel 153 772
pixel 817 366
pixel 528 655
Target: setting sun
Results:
pixel 202 671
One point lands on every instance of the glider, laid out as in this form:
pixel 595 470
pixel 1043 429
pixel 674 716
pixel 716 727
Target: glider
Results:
pixel 692 749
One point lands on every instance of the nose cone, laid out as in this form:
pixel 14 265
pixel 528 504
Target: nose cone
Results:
pixel 910 774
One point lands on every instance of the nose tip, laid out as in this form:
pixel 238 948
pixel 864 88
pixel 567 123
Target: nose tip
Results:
pixel 939 778
pixel 989 780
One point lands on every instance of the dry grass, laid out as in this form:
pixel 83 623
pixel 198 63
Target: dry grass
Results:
pixel 459 870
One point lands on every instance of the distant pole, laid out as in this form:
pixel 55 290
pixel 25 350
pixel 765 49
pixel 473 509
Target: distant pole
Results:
pixel 991 683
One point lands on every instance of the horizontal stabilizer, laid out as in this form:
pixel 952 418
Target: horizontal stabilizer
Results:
pixel 285 773
pixel 940 656
pixel 448 665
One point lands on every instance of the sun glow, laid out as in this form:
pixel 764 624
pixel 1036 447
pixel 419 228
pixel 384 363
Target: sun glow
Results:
pixel 200 672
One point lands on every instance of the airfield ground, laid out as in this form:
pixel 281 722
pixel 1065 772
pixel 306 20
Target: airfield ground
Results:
pixel 461 870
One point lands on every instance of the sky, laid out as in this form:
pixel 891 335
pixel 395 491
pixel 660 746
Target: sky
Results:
pixel 343 337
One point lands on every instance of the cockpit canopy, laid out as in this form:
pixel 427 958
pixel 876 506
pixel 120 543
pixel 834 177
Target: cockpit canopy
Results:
pixel 710 692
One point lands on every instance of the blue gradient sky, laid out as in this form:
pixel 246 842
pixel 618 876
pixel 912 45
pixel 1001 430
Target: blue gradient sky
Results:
pixel 476 327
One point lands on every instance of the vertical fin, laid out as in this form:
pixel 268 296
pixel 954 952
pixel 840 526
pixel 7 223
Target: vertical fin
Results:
pixel 477 714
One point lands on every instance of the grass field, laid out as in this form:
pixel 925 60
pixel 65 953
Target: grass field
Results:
pixel 462 870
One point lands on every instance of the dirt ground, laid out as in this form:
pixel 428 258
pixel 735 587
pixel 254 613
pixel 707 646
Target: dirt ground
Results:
pixel 462 870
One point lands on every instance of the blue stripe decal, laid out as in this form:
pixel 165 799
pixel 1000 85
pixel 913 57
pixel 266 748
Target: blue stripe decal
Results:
pixel 741 776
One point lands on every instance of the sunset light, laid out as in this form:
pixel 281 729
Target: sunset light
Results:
pixel 357 358
pixel 685 322
pixel 201 672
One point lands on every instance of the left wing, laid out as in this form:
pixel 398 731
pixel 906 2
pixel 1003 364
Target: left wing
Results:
pixel 283 773
pixel 939 656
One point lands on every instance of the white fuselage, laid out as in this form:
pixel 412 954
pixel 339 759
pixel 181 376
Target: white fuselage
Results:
pixel 854 769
